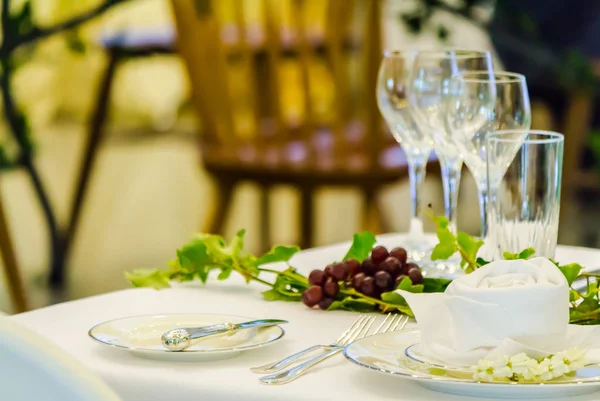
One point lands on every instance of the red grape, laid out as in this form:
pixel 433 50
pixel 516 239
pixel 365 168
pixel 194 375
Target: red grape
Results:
pixel 391 265
pixel 379 254
pixel 339 271
pixel 331 288
pixel 316 277
pixel 325 303
pixel 357 280
pixel 399 280
pixel 400 254
pixel 353 267
pixel 312 296
pixel 383 280
pixel 408 267
pixel 367 287
pixel 327 270
pixel 368 266
pixel 415 276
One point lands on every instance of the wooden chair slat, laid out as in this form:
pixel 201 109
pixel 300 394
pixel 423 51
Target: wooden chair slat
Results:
pixel 320 57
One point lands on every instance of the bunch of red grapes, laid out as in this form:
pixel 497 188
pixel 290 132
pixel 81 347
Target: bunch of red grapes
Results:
pixel 381 272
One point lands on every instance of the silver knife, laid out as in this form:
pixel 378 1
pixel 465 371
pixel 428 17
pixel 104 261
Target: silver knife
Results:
pixel 180 338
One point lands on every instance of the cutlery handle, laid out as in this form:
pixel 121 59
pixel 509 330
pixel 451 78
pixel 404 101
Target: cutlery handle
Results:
pixel 277 366
pixel 199 332
pixel 294 373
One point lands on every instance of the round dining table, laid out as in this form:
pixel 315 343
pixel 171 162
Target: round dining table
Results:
pixel 135 378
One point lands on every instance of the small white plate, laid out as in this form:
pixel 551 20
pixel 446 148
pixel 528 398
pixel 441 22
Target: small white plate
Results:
pixel 140 335
pixel 384 353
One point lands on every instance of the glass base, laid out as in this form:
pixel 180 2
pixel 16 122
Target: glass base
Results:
pixel 449 268
pixel 417 245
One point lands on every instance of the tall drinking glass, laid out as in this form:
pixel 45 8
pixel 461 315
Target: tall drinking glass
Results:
pixel 429 86
pixel 524 175
pixel 392 93
pixel 479 103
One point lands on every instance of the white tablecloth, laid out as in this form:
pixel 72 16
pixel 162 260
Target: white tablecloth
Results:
pixel 140 379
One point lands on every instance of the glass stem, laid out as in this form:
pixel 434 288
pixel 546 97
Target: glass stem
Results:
pixel 416 173
pixel 483 209
pixel 451 170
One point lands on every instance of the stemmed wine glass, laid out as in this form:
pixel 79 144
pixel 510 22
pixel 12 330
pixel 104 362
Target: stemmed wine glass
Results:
pixel 478 104
pixel 392 99
pixel 429 85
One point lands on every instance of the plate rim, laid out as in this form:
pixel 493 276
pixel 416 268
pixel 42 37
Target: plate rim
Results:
pixel 198 351
pixel 454 381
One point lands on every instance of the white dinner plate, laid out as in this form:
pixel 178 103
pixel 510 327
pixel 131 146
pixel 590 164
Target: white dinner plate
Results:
pixel 384 353
pixel 140 335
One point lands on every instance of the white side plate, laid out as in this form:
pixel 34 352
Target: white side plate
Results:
pixel 140 335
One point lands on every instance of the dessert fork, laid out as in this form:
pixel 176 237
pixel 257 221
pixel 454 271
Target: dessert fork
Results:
pixel 287 361
pixel 356 331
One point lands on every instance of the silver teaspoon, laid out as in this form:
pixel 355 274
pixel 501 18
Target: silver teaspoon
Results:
pixel 180 338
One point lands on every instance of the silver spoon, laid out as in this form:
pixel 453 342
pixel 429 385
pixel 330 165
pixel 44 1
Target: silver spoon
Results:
pixel 180 338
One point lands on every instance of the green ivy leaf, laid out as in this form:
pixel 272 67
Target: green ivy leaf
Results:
pixel 524 254
pixel 153 278
pixel 469 245
pixel 441 221
pixel 443 251
pixel 396 302
pixel 527 253
pixel 394 298
pixel 510 256
pixel 236 245
pixel 362 244
pixel 274 295
pixel 435 284
pixel 446 245
pixel 407 285
pixel 225 273
pixel 482 262
pixel 290 283
pixel 194 258
pixel 278 253
pixel 570 271
pixel 353 305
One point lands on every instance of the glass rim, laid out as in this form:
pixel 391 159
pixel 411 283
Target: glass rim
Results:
pixel 504 76
pixel 552 137
pixel 459 54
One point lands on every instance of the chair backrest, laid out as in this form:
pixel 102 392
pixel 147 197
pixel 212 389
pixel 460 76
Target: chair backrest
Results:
pixel 32 368
pixel 576 128
pixel 281 70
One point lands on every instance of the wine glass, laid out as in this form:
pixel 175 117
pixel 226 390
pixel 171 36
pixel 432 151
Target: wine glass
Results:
pixel 392 93
pixel 478 104
pixel 429 84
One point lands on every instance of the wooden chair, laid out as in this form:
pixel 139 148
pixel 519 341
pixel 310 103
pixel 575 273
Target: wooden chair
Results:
pixel 248 130
pixel 11 266
pixel 577 182
pixel 575 123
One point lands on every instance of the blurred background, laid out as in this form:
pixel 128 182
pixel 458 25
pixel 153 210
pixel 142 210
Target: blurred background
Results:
pixel 156 119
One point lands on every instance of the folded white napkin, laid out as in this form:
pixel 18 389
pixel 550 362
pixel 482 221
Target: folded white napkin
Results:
pixel 503 308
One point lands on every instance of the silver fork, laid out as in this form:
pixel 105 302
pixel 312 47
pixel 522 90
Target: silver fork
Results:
pixel 277 366
pixel 390 323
